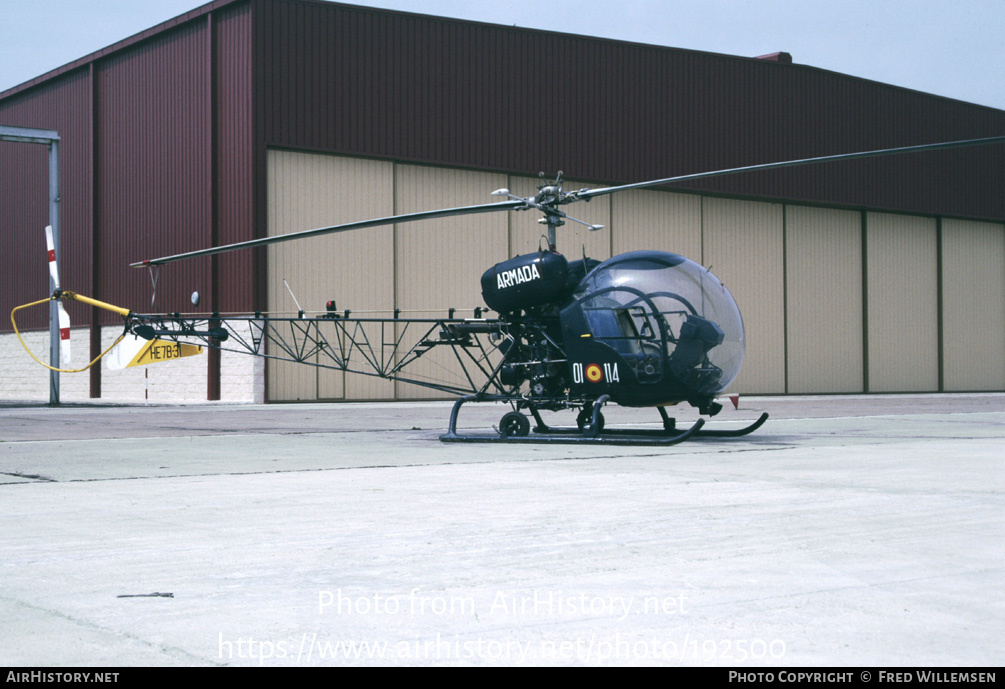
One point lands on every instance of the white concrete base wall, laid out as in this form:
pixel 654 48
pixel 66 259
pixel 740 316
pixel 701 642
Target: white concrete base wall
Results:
pixel 21 378
pixel 242 377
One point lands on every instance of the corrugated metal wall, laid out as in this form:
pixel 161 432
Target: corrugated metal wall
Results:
pixel 367 82
pixel 656 220
pixel 355 269
pixel 796 272
pixel 234 169
pixel 156 159
pixel 439 263
pixel 410 88
pixel 743 248
pixel 973 305
pixel 63 105
pixel 823 296
pixel 153 168
pixel 902 303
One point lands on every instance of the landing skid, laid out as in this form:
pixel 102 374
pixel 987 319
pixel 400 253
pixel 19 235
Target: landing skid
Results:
pixel 734 433
pixel 591 431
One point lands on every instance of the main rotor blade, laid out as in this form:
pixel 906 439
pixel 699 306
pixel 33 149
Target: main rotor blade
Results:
pixel 590 193
pixel 391 220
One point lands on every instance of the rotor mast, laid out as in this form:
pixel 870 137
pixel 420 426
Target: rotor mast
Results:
pixel 547 200
pixel 549 196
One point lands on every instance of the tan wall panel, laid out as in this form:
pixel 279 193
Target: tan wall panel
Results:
pixel 572 239
pixel 288 200
pixel 440 262
pixel 973 299
pixel 354 268
pixel 657 221
pixel 824 300
pixel 743 248
pixel 902 303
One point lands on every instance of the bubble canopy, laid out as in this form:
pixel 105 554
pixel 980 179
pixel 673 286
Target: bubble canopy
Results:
pixel 648 302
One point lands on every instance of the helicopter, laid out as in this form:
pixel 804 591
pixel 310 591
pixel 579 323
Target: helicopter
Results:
pixel 641 329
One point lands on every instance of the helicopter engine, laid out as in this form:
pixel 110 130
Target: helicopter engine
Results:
pixel 531 289
pixel 527 281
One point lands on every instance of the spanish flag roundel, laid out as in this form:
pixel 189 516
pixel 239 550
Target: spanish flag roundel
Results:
pixel 594 373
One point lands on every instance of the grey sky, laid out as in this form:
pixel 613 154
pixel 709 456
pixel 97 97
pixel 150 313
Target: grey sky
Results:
pixel 951 49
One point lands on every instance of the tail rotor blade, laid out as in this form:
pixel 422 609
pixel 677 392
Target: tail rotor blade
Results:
pixel 51 246
pixel 64 334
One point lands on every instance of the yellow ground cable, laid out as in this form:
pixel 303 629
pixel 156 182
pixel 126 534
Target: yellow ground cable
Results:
pixel 77 297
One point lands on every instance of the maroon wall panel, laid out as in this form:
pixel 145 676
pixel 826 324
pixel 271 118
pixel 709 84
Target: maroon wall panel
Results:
pixel 153 167
pixel 62 105
pixel 156 159
pixel 234 155
pixel 375 83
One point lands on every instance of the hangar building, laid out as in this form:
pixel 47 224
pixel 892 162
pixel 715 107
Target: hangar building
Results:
pixel 248 118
